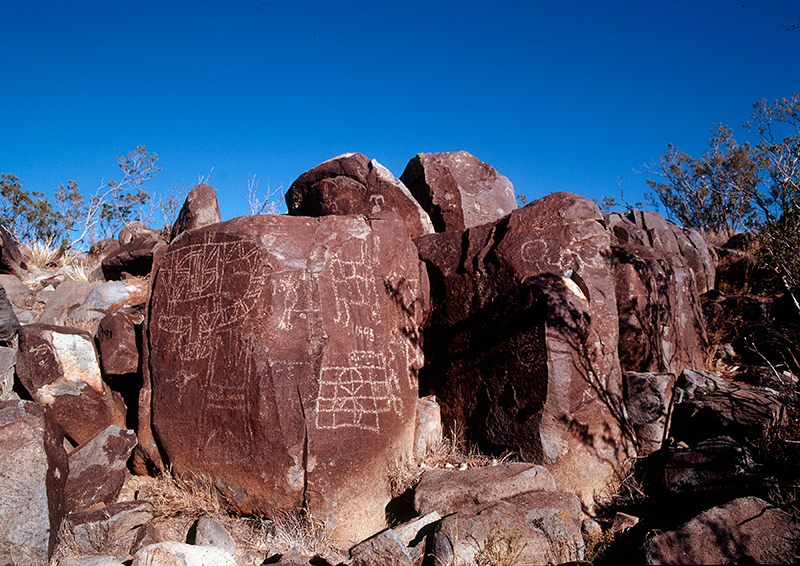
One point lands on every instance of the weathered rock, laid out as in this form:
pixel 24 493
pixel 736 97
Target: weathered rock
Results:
pixel 136 230
pixel 737 411
pixel 134 259
pixel 64 300
pixel 33 470
pixel 17 292
pixel 100 249
pixel 104 299
pixel 59 368
pixel 179 554
pixel 97 469
pixel 661 325
pixel 9 325
pixel 118 343
pixel 11 260
pixel 8 361
pixel 744 531
pixel 458 190
pixel 714 465
pixel 282 359
pixel 446 491
pixel 352 184
pixel 103 528
pixel 428 428
pixel 386 549
pixel 200 209
pixel 521 346
pixel 210 532
pixel 667 237
pixel 648 399
pixel 544 526
pixel 92 561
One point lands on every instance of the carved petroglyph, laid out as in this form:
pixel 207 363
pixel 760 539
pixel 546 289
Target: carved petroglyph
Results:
pixel 357 392
pixel 214 286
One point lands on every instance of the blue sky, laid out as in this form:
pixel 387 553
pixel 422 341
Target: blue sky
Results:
pixel 559 95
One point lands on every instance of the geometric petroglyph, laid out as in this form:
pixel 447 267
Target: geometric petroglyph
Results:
pixel 357 394
pixel 212 286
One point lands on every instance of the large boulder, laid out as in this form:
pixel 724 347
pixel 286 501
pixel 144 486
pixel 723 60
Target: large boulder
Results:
pixel 661 324
pixel 200 209
pixel 354 184
pixel 538 527
pixel 458 190
pixel 521 346
pixel 59 368
pixel 650 229
pixel 744 531
pixel 282 359
pixel 33 471
pixel 134 258
pixel 11 260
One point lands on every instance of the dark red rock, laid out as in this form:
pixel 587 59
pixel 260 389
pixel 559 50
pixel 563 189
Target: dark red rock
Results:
pixel 521 346
pixel 458 190
pixel 282 362
pixel 648 400
pixel 11 260
pixel 117 342
pixel 745 531
pixel 200 209
pixel 97 469
pixel 59 368
pixel 100 249
pixel 661 323
pixel 352 184
pixel 33 471
pixel 133 259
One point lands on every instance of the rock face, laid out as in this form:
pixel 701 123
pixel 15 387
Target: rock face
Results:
pixel 59 368
pixel 661 325
pixel 744 531
pixel 521 343
pixel 352 184
pixel 543 526
pixel 200 209
pixel 650 229
pixel 648 398
pixel 458 190
pixel 11 260
pixel 33 471
pixel 97 469
pixel 134 258
pixel 282 359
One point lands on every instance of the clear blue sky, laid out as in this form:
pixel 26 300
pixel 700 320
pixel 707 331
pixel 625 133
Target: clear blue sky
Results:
pixel 558 95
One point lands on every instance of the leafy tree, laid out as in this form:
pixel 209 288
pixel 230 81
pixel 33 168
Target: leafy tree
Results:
pixel 29 216
pixel 713 193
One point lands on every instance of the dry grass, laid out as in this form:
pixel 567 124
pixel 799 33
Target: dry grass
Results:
pixel 453 452
pixel 191 496
pixel 41 254
pixel 503 547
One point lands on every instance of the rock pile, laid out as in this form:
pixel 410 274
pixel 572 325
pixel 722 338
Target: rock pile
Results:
pixel 304 365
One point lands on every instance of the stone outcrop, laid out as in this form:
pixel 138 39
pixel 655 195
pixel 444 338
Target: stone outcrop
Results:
pixel 282 362
pixel 544 527
pixel 59 368
pixel 11 260
pixel 446 491
pixel 33 471
pixel 744 531
pixel 458 190
pixel 354 184
pixel 650 229
pixel 97 469
pixel 661 326
pixel 648 400
pixel 200 209
pixel 521 343
pixel 134 258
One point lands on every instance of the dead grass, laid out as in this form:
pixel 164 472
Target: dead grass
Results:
pixel 503 547
pixel 192 495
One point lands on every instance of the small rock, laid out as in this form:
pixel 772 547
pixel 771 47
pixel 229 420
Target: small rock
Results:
pixel 180 554
pixel 210 532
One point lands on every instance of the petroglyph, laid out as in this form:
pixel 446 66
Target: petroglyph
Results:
pixel 356 393
pixel 214 286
